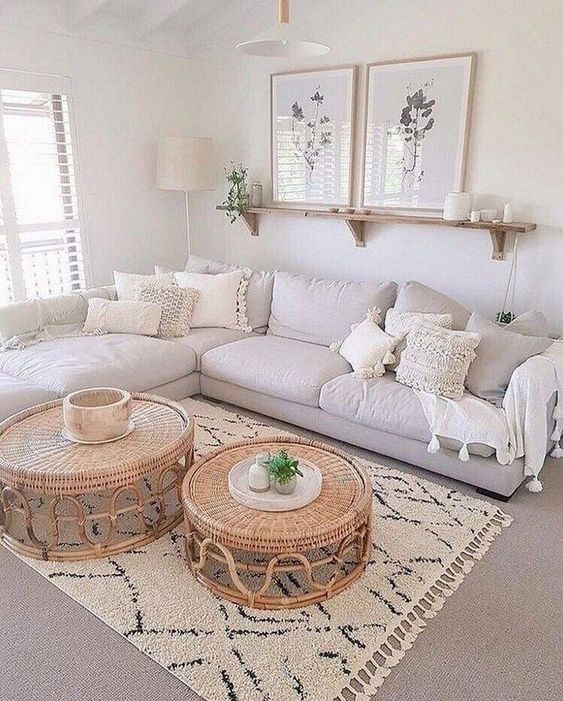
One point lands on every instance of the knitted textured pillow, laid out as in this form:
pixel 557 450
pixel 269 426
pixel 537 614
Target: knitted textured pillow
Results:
pixel 177 305
pixel 398 324
pixel 436 360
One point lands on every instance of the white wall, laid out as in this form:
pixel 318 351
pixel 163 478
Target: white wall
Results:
pixel 123 99
pixel 515 149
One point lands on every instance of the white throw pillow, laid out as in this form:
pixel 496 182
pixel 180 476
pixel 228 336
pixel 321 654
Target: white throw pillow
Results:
pixel 126 283
pixel 177 305
pixel 399 323
pixel 368 348
pixel 436 360
pixel 125 316
pixel 221 298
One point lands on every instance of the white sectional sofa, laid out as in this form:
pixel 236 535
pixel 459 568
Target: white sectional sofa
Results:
pixel 283 369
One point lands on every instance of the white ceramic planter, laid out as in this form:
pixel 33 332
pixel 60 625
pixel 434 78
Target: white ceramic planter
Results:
pixel 287 487
pixel 457 206
pixel 97 414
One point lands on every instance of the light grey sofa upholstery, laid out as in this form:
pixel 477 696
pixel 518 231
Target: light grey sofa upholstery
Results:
pixel 284 369
pixel 280 367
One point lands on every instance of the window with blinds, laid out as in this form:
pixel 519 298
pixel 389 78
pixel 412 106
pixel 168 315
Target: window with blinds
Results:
pixel 40 249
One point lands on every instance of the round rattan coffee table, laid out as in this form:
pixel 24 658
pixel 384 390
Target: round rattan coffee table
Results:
pixel 67 501
pixel 284 559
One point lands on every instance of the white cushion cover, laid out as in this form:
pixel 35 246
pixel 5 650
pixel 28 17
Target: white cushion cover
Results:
pixel 311 309
pixel 280 367
pixel 136 363
pixel 17 395
pixel 398 324
pixel 415 297
pixel 122 316
pixel 259 293
pixel 529 324
pixel 217 303
pixel 436 360
pixel 368 348
pixel 20 318
pixel 126 283
pixel 177 305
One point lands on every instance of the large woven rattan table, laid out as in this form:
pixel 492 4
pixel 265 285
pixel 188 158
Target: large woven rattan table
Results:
pixel 65 501
pixel 284 559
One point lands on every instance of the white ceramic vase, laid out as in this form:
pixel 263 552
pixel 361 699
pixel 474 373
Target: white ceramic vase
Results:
pixel 258 474
pixel 457 206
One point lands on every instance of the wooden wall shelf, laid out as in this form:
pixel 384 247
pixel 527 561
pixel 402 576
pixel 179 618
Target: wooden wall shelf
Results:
pixel 356 223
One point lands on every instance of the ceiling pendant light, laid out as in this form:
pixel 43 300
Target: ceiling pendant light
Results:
pixel 278 44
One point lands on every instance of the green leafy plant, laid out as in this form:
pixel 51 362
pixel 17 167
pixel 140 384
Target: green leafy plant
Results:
pixel 283 467
pixel 237 197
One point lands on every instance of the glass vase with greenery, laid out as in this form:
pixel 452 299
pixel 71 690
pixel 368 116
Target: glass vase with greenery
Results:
pixel 237 196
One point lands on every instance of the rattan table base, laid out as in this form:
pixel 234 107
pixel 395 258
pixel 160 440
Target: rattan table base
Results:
pixel 62 501
pixel 278 560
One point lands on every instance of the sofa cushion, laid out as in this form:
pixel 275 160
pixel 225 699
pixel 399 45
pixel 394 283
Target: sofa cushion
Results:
pixel 310 309
pixel 202 340
pixel 415 297
pixel 384 404
pixel 136 363
pixel 280 367
pixel 258 295
pixel 17 395
pixel 380 403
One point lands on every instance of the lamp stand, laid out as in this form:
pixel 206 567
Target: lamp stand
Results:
pixel 188 238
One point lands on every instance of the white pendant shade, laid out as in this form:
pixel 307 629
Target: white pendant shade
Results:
pixel 185 163
pixel 279 43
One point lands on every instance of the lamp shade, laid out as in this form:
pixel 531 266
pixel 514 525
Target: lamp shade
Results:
pixel 185 163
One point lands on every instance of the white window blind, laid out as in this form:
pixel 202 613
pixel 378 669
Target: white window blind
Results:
pixel 40 246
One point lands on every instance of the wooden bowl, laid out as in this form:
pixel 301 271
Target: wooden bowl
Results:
pixel 97 414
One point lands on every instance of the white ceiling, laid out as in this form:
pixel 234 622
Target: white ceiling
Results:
pixel 184 27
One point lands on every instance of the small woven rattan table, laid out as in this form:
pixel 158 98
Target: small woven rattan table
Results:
pixel 284 559
pixel 67 501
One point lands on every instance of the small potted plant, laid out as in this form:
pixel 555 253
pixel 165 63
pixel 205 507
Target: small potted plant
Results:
pixel 237 197
pixel 284 470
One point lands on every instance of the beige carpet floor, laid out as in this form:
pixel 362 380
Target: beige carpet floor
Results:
pixel 499 638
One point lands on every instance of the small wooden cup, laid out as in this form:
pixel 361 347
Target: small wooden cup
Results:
pixel 97 414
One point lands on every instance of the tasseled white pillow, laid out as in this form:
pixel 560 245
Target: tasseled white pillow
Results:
pixel 368 348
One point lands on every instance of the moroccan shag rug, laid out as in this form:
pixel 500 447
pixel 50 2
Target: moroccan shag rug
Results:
pixel 426 538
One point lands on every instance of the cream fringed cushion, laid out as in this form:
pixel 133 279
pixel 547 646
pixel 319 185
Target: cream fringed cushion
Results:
pixel 125 316
pixel 398 324
pixel 368 348
pixel 177 304
pixel 436 360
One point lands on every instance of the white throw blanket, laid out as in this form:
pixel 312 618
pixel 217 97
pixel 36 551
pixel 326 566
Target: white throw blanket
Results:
pixel 519 429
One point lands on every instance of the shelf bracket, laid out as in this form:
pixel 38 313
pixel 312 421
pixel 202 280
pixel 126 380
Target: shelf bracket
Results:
pixel 498 239
pixel 358 231
pixel 251 221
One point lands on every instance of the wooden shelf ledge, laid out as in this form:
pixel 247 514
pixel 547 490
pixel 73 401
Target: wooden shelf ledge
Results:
pixel 356 223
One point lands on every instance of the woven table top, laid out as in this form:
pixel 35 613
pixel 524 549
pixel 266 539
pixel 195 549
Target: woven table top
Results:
pixel 343 504
pixel 35 456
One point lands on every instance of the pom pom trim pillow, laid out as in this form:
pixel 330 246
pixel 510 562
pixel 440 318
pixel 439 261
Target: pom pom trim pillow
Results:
pixel 177 304
pixel 367 348
pixel 222 299
pixel 436 360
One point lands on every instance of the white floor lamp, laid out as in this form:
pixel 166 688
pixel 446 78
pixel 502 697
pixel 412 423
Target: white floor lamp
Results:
pixel 186 164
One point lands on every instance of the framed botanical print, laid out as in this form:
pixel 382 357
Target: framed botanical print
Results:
pixel 416 130
pixel 313 116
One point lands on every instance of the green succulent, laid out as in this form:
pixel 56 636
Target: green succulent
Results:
pixel 283 467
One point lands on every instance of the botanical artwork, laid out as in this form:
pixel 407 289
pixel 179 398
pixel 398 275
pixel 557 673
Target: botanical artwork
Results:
pixel 311 144
pixel 312 136
pixel 416 131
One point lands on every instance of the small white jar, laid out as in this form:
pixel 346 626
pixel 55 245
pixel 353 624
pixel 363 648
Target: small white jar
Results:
pixel 258 474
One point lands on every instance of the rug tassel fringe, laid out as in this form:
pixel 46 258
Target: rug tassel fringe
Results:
pixel 367 680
